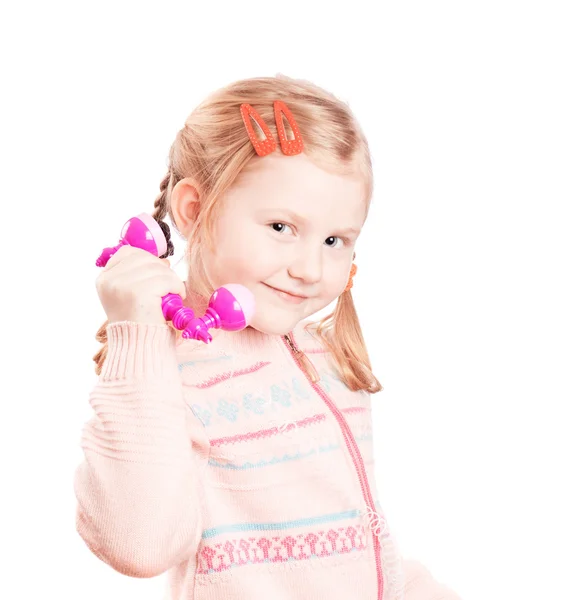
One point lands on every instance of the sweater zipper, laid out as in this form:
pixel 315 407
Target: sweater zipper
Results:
pixel 310 372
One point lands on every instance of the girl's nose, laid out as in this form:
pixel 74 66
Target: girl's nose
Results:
pixel 308 267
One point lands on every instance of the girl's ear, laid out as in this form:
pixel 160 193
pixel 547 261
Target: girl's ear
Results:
pixel 184 204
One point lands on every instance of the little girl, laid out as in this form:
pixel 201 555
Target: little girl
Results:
pixel 245 467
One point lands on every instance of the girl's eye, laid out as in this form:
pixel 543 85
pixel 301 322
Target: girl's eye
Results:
pixel 332 237
pixel 282 226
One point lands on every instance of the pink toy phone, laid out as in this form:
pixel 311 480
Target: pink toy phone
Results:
pixel 230 307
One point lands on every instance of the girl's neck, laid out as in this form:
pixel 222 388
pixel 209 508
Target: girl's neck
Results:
pixel 197 303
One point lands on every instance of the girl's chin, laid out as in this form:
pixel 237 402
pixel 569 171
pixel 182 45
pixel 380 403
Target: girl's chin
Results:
pixel 274 325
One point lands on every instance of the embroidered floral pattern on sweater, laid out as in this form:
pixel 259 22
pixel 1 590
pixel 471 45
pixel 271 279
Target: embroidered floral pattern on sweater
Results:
pixel 276 398
pixel 235 552
pixel 255 404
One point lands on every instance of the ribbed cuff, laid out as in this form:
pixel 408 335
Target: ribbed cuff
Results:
pixel 139 350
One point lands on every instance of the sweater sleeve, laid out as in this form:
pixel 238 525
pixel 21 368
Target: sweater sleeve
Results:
pixel 139 488
pixel 421 585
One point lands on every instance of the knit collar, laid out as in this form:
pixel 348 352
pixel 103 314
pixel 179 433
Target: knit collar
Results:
pixel 245 341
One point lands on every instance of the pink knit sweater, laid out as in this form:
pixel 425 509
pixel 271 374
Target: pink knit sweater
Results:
pixel 243 467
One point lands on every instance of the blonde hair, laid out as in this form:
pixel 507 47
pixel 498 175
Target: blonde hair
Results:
pixel 213 148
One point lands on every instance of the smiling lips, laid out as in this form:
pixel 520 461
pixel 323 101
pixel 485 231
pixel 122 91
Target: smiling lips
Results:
pixel 287 296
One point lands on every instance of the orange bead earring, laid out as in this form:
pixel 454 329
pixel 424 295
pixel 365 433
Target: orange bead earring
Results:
pixel 351 274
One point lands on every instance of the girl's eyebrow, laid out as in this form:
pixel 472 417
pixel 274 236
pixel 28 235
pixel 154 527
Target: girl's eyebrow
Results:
pixel 295 217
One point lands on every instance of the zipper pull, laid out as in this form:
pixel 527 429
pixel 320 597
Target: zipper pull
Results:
pixel 304 362
pixel 308 366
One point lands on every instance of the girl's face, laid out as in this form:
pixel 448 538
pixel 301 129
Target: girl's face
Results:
pixel 287 225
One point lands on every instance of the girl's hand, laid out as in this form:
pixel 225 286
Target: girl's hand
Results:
pixel 132 284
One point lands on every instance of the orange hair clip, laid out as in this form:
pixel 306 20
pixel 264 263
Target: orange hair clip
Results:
pixel 289 147
pixel 267 146
pixel 262 147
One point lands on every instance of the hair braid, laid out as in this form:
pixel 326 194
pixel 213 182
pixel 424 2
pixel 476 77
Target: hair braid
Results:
pixel 160 212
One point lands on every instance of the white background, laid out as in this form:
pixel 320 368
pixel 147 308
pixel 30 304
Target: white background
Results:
pixel 463 287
